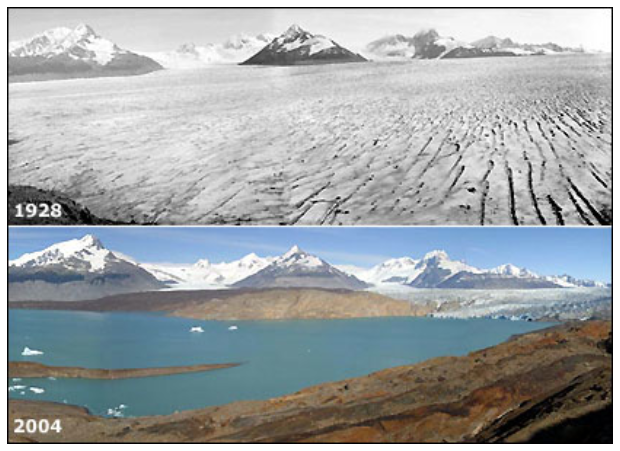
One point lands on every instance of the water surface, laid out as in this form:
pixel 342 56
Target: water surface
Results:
pixel 278 357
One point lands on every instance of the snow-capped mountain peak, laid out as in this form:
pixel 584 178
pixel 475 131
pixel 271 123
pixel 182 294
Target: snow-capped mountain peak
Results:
pixel 80 43
pixel 436 255
pixel 292 251
pixel 85 253
pixel 512 270
pixel 293 32
pixel 296 37
pixel 299 46
pixel 297 257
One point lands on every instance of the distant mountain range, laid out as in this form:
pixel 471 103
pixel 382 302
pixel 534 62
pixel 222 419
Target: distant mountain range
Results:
pixel 428 44
pixel 85 269
pixel 234 50
pixel 68 53
pixel 81 52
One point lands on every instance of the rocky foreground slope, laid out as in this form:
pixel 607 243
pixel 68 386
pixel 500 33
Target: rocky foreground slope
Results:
pixel 549 385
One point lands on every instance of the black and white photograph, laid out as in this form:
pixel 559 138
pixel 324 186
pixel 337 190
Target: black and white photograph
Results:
pixel 305 116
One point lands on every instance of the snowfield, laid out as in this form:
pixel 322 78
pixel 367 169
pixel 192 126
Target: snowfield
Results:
pixel 477 141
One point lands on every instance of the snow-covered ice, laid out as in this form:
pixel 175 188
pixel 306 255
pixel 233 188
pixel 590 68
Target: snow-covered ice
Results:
pixel 31 352
pixel 473 141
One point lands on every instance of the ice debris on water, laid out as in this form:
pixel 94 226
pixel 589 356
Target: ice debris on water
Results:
pixel 117 412
pixel 197 329
pixel 29 352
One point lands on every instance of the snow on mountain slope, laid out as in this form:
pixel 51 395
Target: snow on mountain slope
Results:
pixel 391 47
pixel 73 270
pixel 512 270
pixel 297 268
pixel 235 49
pixel 204 274
pixel 67 52
pixel 81 43
pixel 396 270
pixel 437 270
pixel 298 46
pixel 86 253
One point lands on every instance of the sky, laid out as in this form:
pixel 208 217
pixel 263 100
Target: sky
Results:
pixel 167 29
pixel 580 252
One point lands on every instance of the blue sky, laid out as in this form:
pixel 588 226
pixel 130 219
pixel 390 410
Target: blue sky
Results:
pixel 166 29
pixel 581 252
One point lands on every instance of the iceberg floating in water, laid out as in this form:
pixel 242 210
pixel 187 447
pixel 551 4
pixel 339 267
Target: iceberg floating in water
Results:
pixel 116 412
pixel 233 328
pixel 28 352
pixel 197 329
pixel 36 390
pixel 17 387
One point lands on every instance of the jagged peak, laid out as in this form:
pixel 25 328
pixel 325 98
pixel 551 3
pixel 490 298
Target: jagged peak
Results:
pixel 295 250
pixel 84 30
pixel 90 240
pixel 294 31
pixel 437 255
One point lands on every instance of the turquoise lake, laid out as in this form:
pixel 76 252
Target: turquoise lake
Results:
pixel 278 357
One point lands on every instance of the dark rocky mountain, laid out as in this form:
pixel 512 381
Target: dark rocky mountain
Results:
pixel 75 270
pixel 298 269
pixel 73 53
pixel 297 46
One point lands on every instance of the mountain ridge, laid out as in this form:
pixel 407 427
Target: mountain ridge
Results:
pixel 63 52
pixel 435 269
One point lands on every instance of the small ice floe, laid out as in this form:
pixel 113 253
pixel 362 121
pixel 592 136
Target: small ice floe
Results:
pixel 29 352
pixel 51 378
pixel 233 328
pixel 36 390
pixel 17 387
pixel 117 412
pixel 197 329
pixel 16 379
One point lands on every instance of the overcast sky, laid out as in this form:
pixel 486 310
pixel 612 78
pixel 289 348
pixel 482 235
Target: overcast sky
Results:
pixel 166 29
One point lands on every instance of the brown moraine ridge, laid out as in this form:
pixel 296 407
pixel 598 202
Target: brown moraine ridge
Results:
pixel 35 369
